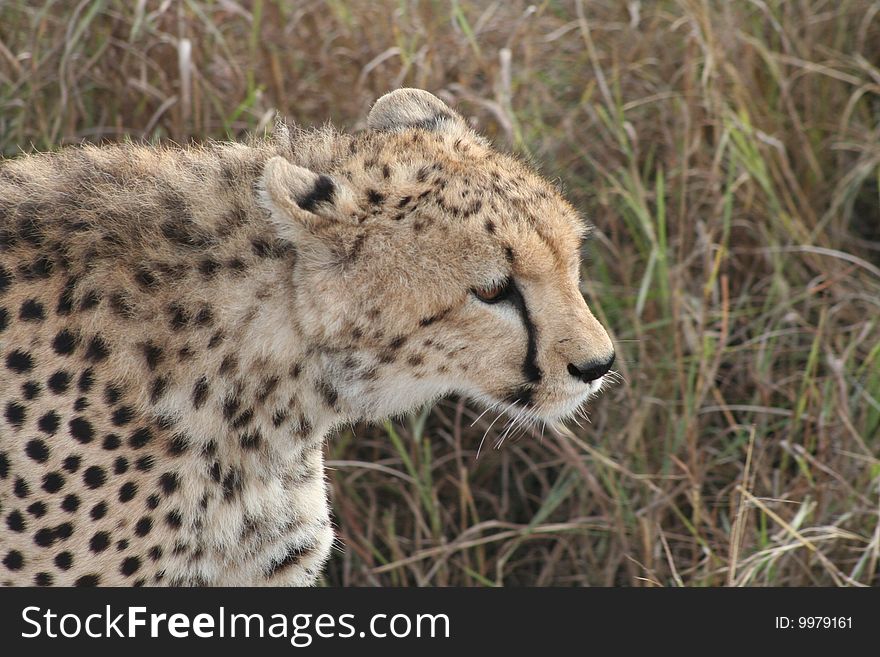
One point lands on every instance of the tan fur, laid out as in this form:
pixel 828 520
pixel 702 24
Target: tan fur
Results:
pixel 180 328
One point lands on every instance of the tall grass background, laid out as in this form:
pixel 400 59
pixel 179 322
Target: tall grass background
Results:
pixel 728 154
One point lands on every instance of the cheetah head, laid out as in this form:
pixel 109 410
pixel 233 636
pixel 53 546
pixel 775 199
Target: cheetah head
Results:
pixel 431 264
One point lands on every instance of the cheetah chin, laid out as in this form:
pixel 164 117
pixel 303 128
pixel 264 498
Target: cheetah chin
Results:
pixel 182 327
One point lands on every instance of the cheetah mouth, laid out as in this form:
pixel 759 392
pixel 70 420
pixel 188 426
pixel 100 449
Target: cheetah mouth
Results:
pixel 526 402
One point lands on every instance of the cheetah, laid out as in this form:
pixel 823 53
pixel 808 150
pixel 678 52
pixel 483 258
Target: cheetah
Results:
pixel 181 327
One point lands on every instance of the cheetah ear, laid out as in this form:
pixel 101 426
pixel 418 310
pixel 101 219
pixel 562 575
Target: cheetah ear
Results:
pixel 294 193
pixel 404 109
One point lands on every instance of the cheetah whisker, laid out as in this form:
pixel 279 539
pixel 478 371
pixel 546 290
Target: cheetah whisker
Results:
pixel 489 428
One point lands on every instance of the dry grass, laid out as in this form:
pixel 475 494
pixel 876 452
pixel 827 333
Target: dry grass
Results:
pixel 729 155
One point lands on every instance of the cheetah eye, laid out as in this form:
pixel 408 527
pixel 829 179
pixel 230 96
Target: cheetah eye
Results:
pixel 493 293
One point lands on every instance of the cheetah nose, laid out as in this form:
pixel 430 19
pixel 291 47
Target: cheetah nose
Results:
pixel 591 370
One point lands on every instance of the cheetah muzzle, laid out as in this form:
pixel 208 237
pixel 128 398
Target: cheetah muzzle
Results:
pixel 180 329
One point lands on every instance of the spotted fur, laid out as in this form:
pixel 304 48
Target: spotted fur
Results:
pixel 181 328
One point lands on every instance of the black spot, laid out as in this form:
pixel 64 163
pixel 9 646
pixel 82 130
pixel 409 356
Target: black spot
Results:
pixel 65 301
pixel 293 557
pixel 90 300
pixel 71 463
pixel 215 339
pixel 236 264
pixel 21 488
pixel 140 438
pixel 323 192
pixel 230 406
pixel 32 311
pixel 43 579
pixel 4 319
pixel 268 388
pixel 112 394
pixel 41 268
pixel 250 440
pixel 122 415
pixel 81 429
pixel 13 560
pixel 329 393
pixel 427 321
pixel 155 553
pixel 143 526
pixel 70 503
pixel 152 354
pixel 174 519
pixel 130 566
pixel 15 522
pixel 49 424
pixel 120 465
pixel 184 234
pixel 53 482
pixel 36 449
pixel 490 227
pixel 397 342
pixel 204 317
pixel 208 267
pixel 145 463
pixel 81 404
pixel 44 537
pixel 15 414
pixel 94 477
pixel 374 197
pixel 273 249
pixel 200 392
pixel 111 442
pixel 121 306
pixel 99 542
pixel 31 390
pixel 37 509
pixel 153 501
pixel 146 279
pixel 160 384
pixel 231 485
pixel 5 279
pixel 88 580
pixel 19 361
pixel 58 382
pixel 178 316
pixel 228 363
pixel 178 445
pixel 28 230
pixel 97 350
pixel 244 419
pixel 169 482
pixel 127 491
pixel 86 380
pixel 98 511
pixel 279 417
pixel 64 560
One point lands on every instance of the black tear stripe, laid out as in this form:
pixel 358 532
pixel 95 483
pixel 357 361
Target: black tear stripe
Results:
pixel 323 192
pixel 530 369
